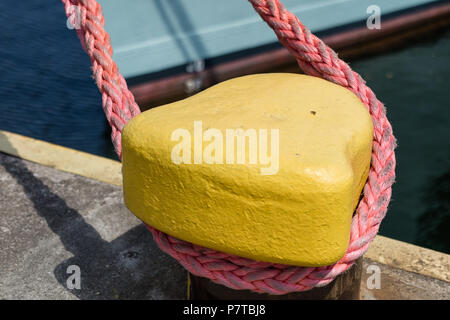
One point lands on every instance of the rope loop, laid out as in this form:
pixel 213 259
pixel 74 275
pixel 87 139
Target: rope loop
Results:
pixel 316 59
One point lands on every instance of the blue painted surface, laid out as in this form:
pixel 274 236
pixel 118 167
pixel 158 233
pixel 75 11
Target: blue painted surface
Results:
pixel 153 35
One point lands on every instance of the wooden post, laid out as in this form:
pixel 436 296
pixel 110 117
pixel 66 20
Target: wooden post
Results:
pixel 345 287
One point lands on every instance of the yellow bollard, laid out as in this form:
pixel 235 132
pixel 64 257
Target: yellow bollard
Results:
pixel 268 167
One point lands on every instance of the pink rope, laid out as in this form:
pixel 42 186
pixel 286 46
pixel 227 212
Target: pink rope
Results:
pixel 315 58
pixel 118 102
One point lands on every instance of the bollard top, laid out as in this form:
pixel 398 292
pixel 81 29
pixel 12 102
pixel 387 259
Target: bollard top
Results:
pixel 268 167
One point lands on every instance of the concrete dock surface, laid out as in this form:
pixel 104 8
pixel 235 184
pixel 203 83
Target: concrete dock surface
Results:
pixel 52 219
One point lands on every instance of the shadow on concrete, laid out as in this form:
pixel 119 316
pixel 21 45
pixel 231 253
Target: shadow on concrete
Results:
pixel 129 267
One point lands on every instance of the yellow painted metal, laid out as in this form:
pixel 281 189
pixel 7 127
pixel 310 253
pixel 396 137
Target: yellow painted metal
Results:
pixel 294 184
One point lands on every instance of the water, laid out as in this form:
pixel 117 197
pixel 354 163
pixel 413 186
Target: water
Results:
pixel 47 93
pixel 413 83
pixel 46 87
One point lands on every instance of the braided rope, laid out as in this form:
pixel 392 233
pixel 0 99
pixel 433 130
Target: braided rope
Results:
pixel 117 101
pixel 315 58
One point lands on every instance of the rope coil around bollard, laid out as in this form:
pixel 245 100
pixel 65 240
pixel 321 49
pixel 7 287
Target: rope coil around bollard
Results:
pixel 316 59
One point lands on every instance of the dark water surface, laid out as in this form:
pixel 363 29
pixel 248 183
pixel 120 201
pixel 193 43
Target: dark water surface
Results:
pixel 46 92
pixel 46 89
pixel 414 85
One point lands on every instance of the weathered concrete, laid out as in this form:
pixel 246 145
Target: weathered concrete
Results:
pixel 61 158
pixel 409 257
pixel 51 219
pixel 398 284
